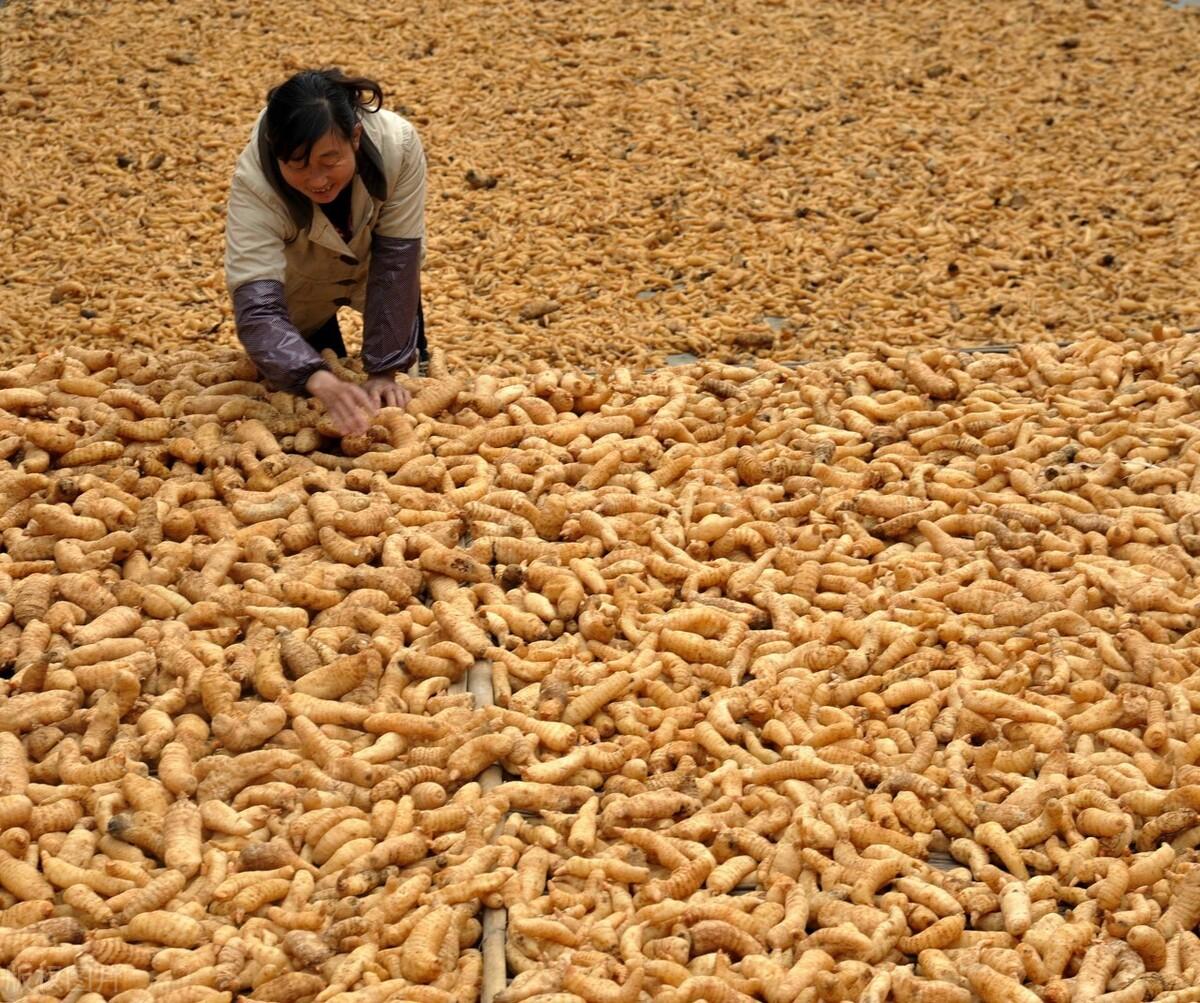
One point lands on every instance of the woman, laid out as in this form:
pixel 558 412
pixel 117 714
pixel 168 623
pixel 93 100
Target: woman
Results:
pixel 327 209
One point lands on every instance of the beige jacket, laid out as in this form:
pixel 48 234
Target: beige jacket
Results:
pixel 319 270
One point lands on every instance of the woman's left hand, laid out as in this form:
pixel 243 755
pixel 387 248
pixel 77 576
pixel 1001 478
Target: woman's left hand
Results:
pixel 386 392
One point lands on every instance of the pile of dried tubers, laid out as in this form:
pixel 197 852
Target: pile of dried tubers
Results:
pixel 871 680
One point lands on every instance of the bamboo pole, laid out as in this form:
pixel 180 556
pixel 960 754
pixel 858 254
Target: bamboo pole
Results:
pixel 495 966
pixel 495 921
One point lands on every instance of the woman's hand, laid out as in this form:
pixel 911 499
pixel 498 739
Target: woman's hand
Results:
pixel 384 391
pixel 350 407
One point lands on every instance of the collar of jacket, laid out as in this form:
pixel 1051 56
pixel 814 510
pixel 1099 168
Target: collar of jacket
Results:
pixel 368 166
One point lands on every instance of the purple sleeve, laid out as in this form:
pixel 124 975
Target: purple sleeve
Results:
pixel 270 338
pixel 393 293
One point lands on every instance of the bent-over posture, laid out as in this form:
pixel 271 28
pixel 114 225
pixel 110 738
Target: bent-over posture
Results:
pixel 327 209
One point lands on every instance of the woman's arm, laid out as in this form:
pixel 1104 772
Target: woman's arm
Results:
pixel 280 354
pixel 393 294
pixel 289 362
pixel 255 268
pixel 394 275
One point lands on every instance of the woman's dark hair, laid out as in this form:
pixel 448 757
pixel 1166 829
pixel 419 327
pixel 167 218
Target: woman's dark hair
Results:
pixel 302 110
pixel 310 104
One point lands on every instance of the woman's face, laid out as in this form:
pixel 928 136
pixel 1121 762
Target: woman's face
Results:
pixel 329 168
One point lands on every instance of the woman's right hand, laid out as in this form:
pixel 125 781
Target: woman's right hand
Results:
pixel 347 403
